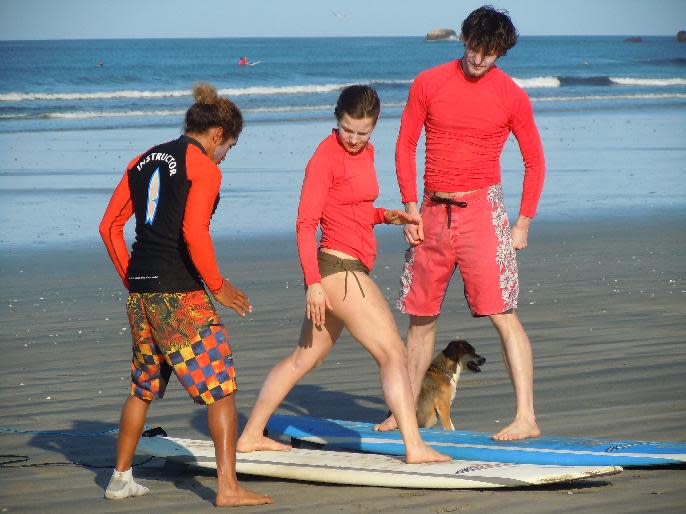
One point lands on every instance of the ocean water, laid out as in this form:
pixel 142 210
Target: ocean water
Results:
pixel 612 116
pixel 147 82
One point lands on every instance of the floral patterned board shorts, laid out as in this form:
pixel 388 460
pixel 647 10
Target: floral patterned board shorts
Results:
pixel 179 332
pixel 477 241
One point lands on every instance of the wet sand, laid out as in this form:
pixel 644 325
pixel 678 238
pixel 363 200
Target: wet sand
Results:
pixel 604 303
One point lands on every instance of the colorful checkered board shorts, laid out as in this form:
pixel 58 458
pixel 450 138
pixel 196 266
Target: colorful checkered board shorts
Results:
pixel 179 332
pixel 477 240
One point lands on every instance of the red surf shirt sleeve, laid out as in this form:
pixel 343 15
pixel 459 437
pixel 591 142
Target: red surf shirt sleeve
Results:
pixel 205 179
pixel 379 215
pixel 411 124
pixel 524 128
pixel 313 195
pixel 118 212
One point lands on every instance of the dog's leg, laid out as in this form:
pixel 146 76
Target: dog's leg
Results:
pixel 426 416
pixel 450 419
pixel 443 411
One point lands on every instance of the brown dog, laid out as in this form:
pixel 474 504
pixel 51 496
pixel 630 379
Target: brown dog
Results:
pixel 440 383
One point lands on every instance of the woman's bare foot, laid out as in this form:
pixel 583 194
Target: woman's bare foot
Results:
pixel 262 443
pixel 518 429
pixel 241 496
pixel 424 454
pixel 387 425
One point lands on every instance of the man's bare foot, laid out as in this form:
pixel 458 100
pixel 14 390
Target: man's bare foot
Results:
pixel 260 444
pixel 241 496
pixel 518 429
pixel 424 454
pixel 386 425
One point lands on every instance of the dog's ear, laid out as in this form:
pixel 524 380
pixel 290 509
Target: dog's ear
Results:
pixel 467 348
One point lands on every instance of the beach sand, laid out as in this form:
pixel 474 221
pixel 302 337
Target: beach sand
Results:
pixel 604 303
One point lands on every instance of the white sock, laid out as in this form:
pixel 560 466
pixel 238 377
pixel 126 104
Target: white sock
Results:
pixel 122 485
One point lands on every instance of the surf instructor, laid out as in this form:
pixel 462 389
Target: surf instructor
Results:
pixel 468 108
pixel 172 190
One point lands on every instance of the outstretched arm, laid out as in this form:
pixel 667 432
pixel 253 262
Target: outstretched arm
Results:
pixel 398 217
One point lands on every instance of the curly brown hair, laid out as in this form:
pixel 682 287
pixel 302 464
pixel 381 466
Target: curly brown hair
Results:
pixel 211 110
pixel 489 30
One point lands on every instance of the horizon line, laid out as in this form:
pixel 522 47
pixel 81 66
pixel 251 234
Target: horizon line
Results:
pixel 118 38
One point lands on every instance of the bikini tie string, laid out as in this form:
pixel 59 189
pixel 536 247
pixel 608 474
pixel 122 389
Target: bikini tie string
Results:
pixel 345 290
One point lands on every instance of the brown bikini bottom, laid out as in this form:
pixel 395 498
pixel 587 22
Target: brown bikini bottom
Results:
pixel 330 264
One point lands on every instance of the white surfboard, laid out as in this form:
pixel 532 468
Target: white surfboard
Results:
pixel 371 469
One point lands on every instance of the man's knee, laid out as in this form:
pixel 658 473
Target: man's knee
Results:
pixel 423 325
pixel 504 318
pixel 507 324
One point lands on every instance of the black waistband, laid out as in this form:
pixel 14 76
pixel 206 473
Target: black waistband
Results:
pixel 449 202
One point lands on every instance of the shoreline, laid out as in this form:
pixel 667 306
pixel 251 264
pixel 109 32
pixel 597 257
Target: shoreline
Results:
pixel 618 165
pixel 541 226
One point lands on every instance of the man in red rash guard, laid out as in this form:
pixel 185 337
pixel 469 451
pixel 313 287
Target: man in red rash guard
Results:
pixel 172 190
pixel 468 108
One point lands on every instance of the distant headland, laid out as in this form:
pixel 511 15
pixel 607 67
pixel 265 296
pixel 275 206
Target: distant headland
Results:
pixel 442 34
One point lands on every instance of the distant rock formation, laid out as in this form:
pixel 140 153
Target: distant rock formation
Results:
pixel 440 34
pixel 681 36
pixel 634 39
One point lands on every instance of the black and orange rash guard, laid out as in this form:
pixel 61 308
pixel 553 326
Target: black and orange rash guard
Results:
pixel 172 189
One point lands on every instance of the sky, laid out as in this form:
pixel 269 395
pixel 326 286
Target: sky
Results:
pixel 107 19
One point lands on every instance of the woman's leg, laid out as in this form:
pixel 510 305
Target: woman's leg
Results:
pixel 369 320
pixel 314 345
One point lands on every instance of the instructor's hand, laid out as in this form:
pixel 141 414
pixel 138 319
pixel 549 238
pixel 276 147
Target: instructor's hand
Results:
pixel 414 233
pixel 316 304
pixel 233 298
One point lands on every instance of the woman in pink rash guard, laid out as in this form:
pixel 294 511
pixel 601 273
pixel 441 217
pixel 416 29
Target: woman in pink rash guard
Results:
pixel 338 192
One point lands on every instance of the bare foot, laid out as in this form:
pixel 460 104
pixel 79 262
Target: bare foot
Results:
pixel 518 429
pixel 241 496
pixel 424 454
pixel 386 425
pixel 262 443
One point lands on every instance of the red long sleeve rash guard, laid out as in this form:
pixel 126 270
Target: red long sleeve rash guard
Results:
pixel 338 193
pixel 205 179
pixel 467 122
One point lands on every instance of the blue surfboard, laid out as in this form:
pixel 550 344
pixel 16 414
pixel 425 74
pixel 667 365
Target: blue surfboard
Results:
pixel 464 445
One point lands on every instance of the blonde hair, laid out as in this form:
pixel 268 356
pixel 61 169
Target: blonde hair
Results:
pixel 211 110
